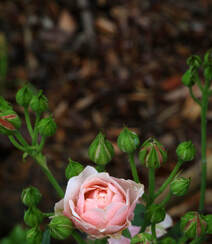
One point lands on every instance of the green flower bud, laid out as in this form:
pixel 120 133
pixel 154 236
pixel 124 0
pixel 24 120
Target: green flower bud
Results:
pixel 73 169
pixel 31 196
pixel 194 61
pixel 208 219
pixel 208 58
pixel 34 235
pixel 168 240
pixel 155 213
pixel 24 96
pixel 4 105
pixel 9 122
pixel 208 72
pixel 39 103
pixel 47 127
pixel 60 227
pixel 128 141
pixel 33 216
pixel 190 76
pixel 101 150
pixel 186 151
pixel 179 186
pixel 152 154
pixel 192 224
pixel 142 238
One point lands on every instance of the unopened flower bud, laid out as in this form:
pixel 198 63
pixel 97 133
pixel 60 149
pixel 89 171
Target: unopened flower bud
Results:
pixel 142 238
pixel 73 169
pixel 47 127
pixel 152 154
pixel 33 216
pixel 39 103
pixel 155 213
pixel 186 151
pixel 193 225
pixel 9 122
pixel 34 235
pixel 168 240
pixel 194 61
pixel 208 58
pixel 60 227
pixel 128 141
pixel 190 77
pixel 24 96
pixel 208 219
pixel 208 72
pixel 101 150
pixel 179 186
pixel 31 196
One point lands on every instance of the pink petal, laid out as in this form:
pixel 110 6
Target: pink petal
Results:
pixel 112 209
pixel 74 185
pixel 95 217
pixel 122 240
pixel 134 230
pixel 120 216
pixel 59 207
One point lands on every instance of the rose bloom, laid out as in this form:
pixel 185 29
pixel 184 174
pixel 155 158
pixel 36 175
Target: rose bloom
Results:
pixel 134 230
pixel 98 203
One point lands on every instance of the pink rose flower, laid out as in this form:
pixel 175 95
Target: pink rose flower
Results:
pixel 98 203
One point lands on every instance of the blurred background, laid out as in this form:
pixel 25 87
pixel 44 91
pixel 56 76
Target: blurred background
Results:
pixel 102 64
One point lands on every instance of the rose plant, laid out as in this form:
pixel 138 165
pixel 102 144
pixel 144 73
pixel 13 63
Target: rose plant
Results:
pixel 97 207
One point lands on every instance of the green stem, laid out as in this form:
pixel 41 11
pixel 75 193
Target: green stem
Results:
pixel 43 139
pixel 21 139
pixel 41 160
pixel 210 92
pixel 48 214
pixel 133 167
pixel 16 144
pixel 203 146
pixel 77 237
pixel 170 178
pixel 28 122
pixel 153 228
pixel 199 84
pixel 193 96
pixel 166 199
pixel 35 134
pixel 151 186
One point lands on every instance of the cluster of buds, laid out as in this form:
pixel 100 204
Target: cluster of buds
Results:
pixel 26 97
pixel 191 75
pixel 152 154
pixel 33 217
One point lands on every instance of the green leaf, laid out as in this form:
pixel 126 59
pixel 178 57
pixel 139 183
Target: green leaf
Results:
pixel 126 233
pixel 46 237
pixel 138 215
